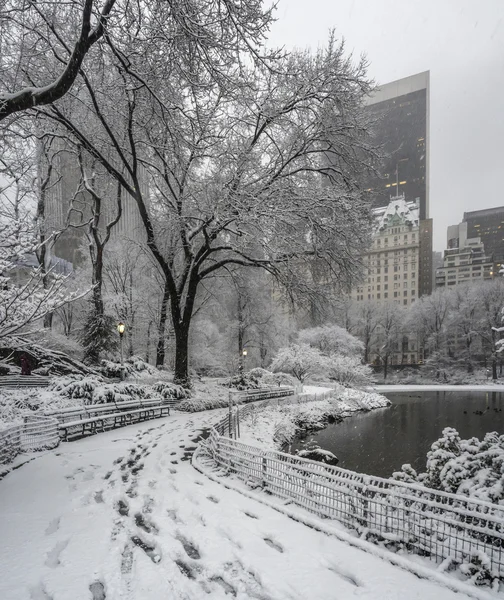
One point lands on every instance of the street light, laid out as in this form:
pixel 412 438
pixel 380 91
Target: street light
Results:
pixel 120 328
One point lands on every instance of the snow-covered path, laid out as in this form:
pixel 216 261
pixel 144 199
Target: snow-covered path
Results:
pixel 123 515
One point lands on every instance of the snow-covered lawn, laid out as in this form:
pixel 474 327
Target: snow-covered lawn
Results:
pixel 122 515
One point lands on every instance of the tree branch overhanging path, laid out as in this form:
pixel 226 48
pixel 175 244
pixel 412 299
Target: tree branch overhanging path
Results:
pixel 235 156
pixel 30 97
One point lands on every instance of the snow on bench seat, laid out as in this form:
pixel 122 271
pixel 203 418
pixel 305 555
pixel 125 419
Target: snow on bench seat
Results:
pixel 114 419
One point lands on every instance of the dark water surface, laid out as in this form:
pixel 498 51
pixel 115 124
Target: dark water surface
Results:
pixel 380 441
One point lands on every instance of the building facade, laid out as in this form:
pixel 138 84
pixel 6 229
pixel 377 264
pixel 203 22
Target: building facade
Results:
pixel 393 262
pixel 400 112
pixel 488 225
pixel 465 259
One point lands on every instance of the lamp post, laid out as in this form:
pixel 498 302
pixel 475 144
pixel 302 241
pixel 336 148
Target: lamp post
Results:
pixel 120 328
pixel 244 353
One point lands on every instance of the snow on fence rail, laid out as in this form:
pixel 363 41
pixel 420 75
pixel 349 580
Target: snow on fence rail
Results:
pixel 35 433
pixel 441 526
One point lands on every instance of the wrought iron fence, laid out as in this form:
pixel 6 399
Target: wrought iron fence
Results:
pixel 428 522
pixel 36 432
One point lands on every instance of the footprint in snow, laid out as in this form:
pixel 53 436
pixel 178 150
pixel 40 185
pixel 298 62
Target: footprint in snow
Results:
pixel 53 557
pixel 189 548
pixel 344 574
pixel 274 545
pixel 39 593
pixel 213 499
pixel 53 526
pixel 97 589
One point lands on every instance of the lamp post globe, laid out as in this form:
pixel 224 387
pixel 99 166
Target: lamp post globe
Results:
pixel 121 328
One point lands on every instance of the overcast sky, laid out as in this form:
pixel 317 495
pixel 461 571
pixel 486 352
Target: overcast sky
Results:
pixel 461 43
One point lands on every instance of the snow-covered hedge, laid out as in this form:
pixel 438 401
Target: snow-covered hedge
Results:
pixel 170 391
pixel 133 365
pixel 471 467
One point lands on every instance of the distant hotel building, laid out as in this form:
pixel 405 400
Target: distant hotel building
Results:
pixel 392 263
pixel 401 109
pixel 465 260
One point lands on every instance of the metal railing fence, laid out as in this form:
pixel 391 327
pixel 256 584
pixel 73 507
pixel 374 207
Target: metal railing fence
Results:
pixel 36 432
pixel 435 524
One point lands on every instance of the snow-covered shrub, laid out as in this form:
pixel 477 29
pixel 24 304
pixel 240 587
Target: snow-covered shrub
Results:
pixel 245 381
pixel 279 379
pixel 349 370
pixel 313 451
pixel 76 387
pixel 199 404
pixel 331 339
pixel 170 391
pixel 93 390
pixel 477 568
pixel 471 467
pixel 301 360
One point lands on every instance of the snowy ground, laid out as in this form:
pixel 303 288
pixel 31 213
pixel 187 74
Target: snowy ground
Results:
pixel 123 515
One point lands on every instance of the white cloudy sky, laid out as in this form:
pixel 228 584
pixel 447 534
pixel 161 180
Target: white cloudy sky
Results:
pixel 461 42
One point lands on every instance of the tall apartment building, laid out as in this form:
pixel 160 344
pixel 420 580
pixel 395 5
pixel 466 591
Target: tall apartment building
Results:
pixel 465 260
pixel 488 225
pixel 401 127
pixel 68 207
pixel 393 261
pixel 401 112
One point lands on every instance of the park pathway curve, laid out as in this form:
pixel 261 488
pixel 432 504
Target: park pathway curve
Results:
pixel 124 516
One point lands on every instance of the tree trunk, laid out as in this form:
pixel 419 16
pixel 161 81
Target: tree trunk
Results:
pixel 494 367
pixel 385 368
pixel 147 351
pixel 163 317
pixel 181 375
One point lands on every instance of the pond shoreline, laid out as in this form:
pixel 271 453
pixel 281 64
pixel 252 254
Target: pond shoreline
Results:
pixel 400 387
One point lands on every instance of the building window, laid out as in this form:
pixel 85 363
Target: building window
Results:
pixel 386 286
pixel 405 284
pixel 405 302
pixel 377 296
pixel 378 287
pixel 385 295
pixel 405 293
pixel 395 294
pixel 396 268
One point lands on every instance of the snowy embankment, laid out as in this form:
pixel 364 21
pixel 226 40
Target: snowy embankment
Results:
pixel 487 387
pixel 124 515
pixel 272 426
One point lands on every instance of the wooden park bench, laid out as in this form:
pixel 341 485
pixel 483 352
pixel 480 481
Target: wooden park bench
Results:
pixel 101 417
pixel 262 394
pixel 20 381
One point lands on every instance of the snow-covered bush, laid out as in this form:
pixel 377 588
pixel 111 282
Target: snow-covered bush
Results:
pixel 132 366
pixel 313 451
pixel 301 360
pixel 331 339
pixel 76 387
pixel 199 404
pixel 93 390
pixel 349 370
pixel 471 467
pixel 477 568
pixel 170 391
pixel 245 381
pixel 279 379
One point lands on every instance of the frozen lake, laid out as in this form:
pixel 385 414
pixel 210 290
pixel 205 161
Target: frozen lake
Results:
pixel 380 441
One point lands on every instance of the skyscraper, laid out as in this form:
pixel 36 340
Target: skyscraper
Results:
pixel 488 225
pixel 401 128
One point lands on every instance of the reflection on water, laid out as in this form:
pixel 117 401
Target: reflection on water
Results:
pixel 380 441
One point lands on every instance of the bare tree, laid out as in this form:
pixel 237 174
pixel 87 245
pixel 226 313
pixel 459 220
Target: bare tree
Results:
pixel 251 166
pixel 28 29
